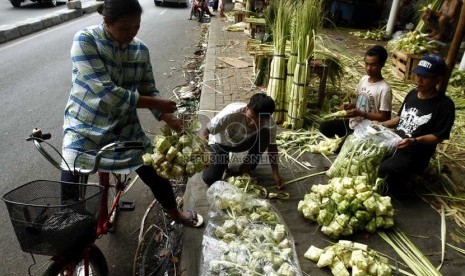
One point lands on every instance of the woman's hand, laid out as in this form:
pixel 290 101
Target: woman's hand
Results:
pixel 164 105
pixel 174 123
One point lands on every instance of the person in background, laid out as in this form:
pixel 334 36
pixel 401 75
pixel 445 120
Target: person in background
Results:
pixel 374 101
pixel 242 127
pixel 111 78
pixel 259 6
pixel 215 5
pixel 442 24
pixel 200 3
pixel 221 7
pixel 424 120
pixel 406 15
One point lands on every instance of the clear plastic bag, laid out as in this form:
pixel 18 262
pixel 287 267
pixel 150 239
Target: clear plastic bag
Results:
pixel 378 134
pixel 245 236
pixel 363 151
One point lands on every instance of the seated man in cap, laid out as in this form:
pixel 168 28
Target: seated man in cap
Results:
pixel 424 120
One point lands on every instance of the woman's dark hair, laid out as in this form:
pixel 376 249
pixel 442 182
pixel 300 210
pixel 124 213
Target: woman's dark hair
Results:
pixel 262 105
pixel 114 10
pixel 378 51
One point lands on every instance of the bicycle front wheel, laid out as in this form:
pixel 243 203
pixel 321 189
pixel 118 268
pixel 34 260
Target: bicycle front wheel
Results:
pixel 97 266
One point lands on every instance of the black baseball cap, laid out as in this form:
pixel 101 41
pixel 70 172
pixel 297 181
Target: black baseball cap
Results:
pixel 430 66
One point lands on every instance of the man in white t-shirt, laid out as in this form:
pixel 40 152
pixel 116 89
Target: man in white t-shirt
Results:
pixel 242 127
pixel 374 101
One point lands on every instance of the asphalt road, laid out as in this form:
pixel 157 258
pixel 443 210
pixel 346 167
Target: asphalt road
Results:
pixel 35 74
pixel 10 15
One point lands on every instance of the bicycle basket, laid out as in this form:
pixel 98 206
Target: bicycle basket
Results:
pixel 46 226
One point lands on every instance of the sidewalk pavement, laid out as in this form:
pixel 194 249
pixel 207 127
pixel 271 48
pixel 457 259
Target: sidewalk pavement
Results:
pixel 225 84
pixel 221 86
pixel 29 26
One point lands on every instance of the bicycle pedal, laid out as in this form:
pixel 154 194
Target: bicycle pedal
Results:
pixel 126 206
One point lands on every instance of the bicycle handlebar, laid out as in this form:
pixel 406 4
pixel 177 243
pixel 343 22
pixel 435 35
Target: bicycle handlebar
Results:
pixel 38 137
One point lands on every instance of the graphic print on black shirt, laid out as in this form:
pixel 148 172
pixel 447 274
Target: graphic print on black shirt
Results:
pixel 411 120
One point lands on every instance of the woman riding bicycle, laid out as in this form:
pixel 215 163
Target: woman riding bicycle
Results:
pixel 109 65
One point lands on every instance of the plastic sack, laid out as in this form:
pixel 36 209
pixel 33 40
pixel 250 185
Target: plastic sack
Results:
pixel 68 230
pixel 378 134
pixel 245 236
pixel 363 151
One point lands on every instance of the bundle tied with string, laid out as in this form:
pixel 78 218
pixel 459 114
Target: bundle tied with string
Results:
pixel 177 155
pixel 277 81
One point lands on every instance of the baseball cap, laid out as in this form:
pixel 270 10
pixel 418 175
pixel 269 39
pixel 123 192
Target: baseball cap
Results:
pixel 430 66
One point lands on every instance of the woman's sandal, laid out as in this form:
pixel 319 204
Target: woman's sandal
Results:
pixel 193 220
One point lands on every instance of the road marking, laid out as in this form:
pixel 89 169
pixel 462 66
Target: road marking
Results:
pixel 50 29
pixel 156 11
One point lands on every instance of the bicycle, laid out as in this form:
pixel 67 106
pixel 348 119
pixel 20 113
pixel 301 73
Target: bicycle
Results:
pixel 45 224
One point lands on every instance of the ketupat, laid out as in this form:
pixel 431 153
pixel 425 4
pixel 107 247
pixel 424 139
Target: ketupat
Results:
pixel 248 246
pixel 313 253
pixel 177 155
pixel 346 255
pixel 343 214
pixel 248 184
pixel 358 157
pixel 413 42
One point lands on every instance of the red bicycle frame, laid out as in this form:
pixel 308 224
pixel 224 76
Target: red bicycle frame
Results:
pixel 104 216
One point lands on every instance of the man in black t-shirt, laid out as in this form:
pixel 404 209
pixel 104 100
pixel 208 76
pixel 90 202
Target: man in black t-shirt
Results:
pixel 424 120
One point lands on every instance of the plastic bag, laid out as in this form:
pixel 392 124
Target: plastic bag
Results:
pixel 245 235
pixel 67 229
pixel 363 151
pixel 377 134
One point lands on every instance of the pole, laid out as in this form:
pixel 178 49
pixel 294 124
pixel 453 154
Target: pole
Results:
pixel 454 49
pixel 462 63
pixel 392 17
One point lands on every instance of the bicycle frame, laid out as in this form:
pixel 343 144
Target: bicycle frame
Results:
pixel 105 216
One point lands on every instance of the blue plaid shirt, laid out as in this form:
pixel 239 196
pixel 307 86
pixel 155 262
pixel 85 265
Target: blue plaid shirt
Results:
pixel 106 83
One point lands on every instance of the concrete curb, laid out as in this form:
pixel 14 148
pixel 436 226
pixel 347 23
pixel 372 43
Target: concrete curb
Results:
pixel 11 32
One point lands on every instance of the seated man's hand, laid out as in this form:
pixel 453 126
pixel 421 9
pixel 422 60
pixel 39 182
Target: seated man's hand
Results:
pixel 405 143
pixel 354 113
pixel 347 106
